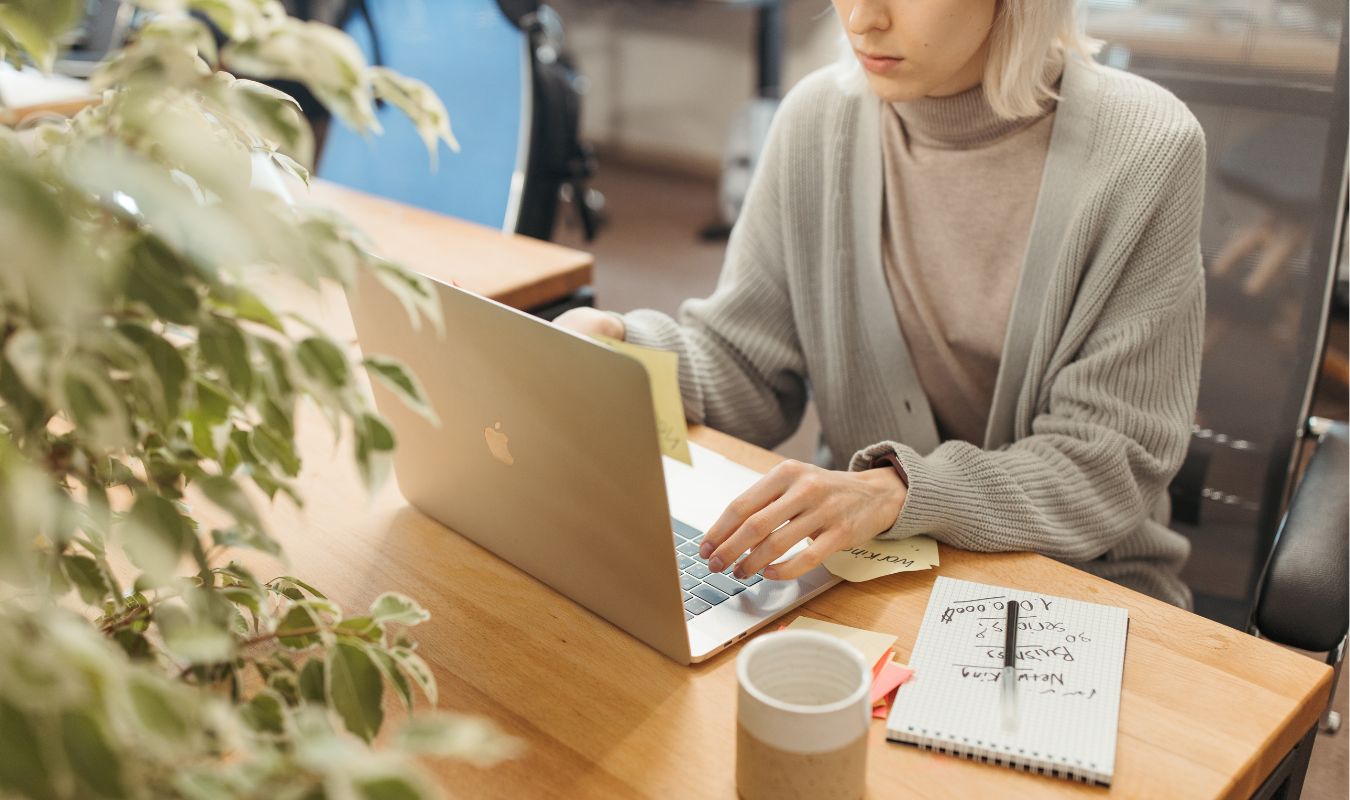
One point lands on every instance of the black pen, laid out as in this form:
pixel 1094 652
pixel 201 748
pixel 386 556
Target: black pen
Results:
pixel 1009 695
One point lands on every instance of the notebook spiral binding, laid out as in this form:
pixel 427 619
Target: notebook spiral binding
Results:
pixel 937 743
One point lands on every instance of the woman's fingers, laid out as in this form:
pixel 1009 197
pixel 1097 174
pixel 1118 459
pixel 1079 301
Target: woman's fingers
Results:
pixel 779 542
pixel 752 500
pixel 754 530
pixel 821 548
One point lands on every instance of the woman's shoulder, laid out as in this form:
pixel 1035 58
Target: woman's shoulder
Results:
pixel 815 103
pixel 1138 117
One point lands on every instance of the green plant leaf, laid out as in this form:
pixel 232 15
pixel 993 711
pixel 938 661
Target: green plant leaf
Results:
pixel 414 291
pixel 207 418
pixel 266 712
pixel 22 410
pixel 248 306
pixel 419 103
pixel 134 644
pixel 284 684
pixel 223 345
pixel 244 598
pixel 393 374
pixel 36 27
pixel 87 577
pixel 298 629
pixel 364 628
pixel 161 709
pixel 374 442
pixel 445 735
pixel 166 361
pixel 93 760
pixel 196 641
pixel 23 769
pixel 29 355
pixel 291 166
pixel 156 535
pixel 275 115
pixel 355 689
pixel 156 277
pixel 323 362
pixel 95 405
pixel 395 607
pixel 391 787
pixel 226 494
pixel 417 670
pixel 376 433
pixel 393 674
pixel 294 581
pixel 272 448
pixel 312 681
pixel 250 537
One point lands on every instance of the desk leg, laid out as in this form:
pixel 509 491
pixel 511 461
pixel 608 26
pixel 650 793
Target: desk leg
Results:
pixel 1286 782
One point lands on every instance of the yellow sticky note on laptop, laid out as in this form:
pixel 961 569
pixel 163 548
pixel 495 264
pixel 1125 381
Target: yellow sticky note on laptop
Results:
pixel 663 372
pixel 871 644
pixel 881 557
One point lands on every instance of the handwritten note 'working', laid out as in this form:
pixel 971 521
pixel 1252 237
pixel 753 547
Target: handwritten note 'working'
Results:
pixel 883 557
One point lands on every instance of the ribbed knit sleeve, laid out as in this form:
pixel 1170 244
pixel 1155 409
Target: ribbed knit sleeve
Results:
pixel 1114 415
pixel 741 366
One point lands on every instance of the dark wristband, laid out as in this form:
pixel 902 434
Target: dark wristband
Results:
pixel 893 460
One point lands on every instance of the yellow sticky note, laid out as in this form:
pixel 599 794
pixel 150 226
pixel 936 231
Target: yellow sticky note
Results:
pixel 871 644
pixel 663 372
pixel 883 557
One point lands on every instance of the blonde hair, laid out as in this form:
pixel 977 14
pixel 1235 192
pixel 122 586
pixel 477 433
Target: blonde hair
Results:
pixel 1027 39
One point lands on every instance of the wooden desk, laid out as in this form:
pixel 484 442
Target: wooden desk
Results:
pixel 1207 711
pixel 515 270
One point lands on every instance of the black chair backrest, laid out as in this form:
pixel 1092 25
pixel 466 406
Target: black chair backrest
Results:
pixel 1304 594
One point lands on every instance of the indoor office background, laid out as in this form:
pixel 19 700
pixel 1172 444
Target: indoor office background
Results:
pixel 674 96
pixel 670 108
pixel 642 119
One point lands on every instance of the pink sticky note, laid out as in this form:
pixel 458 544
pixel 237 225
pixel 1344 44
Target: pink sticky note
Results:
pixel 892 675
pixel 881 712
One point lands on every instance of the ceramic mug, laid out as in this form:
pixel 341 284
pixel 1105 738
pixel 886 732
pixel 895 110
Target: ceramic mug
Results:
pixel 802 718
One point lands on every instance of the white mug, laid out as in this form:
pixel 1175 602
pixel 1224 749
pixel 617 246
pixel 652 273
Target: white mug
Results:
pixel 802 718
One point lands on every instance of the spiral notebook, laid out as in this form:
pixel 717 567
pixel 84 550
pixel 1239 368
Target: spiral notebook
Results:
pixel 1070 657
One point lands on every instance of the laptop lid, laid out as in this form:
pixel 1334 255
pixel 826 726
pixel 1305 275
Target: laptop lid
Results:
pixel 545 453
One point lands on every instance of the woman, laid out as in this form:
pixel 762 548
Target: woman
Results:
pixel 979 253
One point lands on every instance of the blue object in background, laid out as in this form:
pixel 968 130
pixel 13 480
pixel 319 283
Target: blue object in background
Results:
pixel 478 63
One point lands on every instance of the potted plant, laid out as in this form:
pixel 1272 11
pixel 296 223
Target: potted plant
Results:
pixel 142 376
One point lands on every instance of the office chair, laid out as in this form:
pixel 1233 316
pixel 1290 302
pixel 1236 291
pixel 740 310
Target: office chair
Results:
pixel 1269 87
pixel 1304 590
pixel 499 69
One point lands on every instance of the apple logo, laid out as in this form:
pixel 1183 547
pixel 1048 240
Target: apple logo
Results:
pixel 496 442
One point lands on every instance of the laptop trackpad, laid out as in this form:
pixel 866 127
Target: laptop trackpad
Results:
pixel 752 608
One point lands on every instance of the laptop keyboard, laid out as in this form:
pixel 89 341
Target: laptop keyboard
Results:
pixel 702 587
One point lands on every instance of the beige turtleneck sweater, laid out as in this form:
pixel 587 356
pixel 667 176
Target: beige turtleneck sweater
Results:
pixel 960 186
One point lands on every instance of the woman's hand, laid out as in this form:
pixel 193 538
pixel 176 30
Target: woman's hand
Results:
pixel 838 510
pixel 591 322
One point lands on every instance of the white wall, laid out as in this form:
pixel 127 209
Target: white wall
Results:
pixel 667 78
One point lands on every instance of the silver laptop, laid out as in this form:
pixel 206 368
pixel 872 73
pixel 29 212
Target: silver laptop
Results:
pixel 546 454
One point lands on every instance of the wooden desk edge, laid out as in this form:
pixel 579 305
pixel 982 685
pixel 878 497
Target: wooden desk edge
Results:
pixel 58 108
pixel 574 267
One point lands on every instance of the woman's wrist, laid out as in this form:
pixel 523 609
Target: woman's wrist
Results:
pixel 891 493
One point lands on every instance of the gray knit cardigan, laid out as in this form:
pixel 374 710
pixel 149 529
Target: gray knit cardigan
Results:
pixel 1097 385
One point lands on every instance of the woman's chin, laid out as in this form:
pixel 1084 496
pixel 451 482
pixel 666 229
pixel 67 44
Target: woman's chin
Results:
pixel 895 89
